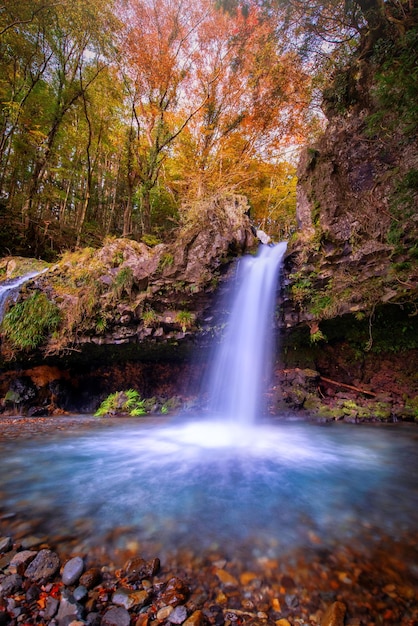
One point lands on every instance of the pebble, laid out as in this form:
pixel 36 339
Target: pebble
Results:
pixel 6 544
pixel 69 609
pixel 196 619
pixel 80 593
pixel 91 578
pixel 116 616
pixel 334 615
pixel 72 570
pixel 179 615
pixel 192 590
pixel 164 613
pixel 43 567
pixel 129 599
pixel 226 578
pixel 10 585
pixel 21 560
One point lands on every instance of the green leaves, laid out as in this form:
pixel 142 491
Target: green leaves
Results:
pixel 28 323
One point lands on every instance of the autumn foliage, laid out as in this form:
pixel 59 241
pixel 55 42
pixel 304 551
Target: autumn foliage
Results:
pixel 116 114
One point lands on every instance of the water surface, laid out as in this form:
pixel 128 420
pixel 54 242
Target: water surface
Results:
pixel 206 484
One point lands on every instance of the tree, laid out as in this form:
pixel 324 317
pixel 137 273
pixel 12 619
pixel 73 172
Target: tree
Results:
pixel 257 99
pixel 159 47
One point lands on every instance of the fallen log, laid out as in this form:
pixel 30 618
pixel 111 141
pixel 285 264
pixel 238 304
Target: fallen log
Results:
pixel 336 382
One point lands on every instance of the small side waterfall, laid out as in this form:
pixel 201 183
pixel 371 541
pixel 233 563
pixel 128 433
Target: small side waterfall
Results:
pixel 10 288
pixel 242 363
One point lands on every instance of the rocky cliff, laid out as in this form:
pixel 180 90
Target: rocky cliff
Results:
pixel 352 268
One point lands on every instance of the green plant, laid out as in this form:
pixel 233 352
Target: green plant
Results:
pixel 166 260
pixel 101 324
pixel 317 336
pixel 396 82
pixel 185 319
pixel 28 323
pixel 123 282
pixel 122 402
pixel 149 317
pixel 150 240
pixel 117 258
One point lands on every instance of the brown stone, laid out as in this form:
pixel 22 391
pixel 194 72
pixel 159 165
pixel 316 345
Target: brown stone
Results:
pixel 195 619
pixel 334 615
pixel 91 578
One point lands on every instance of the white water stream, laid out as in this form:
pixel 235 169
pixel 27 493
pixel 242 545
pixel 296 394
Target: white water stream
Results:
pixel 10 288
pixel 242 363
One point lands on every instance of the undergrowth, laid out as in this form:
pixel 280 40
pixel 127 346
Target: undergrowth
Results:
pixel 28 323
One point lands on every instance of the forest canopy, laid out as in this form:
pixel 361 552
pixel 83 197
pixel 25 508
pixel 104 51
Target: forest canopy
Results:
pixel 116 115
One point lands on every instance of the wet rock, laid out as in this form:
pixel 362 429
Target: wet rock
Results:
pixel 80 593
pixel 4 618
pixel 69 609
pixel 91 578
pixel 196 619
pixel 137 568
pixel 176 592
pixel 72 570
pixel 226 578
pixel 116 616
pixel 44 566
pixel 21 560
pixel 51 607
pixel 38 411
pixel 7 558
pixel 33 593
pixel 10 585
pixel 179 615
pixel 164 613
pixel 6 544
pixel 31 542
pixel 334 615
pixel 129 599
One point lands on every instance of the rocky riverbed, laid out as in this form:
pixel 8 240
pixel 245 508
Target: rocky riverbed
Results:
pixel 68 578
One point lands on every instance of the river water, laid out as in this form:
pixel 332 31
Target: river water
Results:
pixel 201 485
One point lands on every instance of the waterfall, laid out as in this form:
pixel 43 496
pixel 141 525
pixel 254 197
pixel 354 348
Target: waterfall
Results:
pixel 242 363
pixel 10 288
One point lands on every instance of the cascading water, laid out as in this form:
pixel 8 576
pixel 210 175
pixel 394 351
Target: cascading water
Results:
pixel 11 287
pixel 241 364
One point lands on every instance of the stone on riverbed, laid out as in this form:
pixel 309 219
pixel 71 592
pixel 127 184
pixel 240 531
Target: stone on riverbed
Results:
pixel 138 569
pixel 10 585
pixel 6 544
pixel 129 599
pixel 72 570
pixel 43 567
pixel 116 616
pixel 334 615
pixel 21 561
pixel 69 609
pixel 91 578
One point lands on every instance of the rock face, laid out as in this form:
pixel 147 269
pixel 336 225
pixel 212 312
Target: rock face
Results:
pixel 357 198
pixel 125 311
pixel 350 306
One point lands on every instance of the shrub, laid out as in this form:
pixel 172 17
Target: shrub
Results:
pixel 185 319
pixel 122 402
pixel 28 323
pixel 123 282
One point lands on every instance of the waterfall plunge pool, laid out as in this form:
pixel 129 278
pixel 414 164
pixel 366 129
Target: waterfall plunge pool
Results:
pixel 198 485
